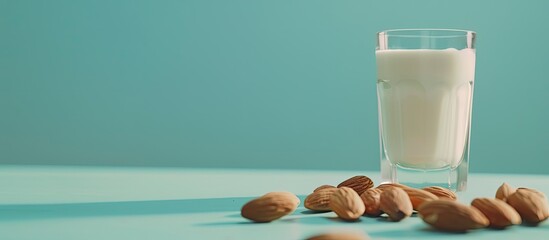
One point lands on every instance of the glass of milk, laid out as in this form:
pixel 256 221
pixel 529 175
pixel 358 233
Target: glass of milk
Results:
pixel 425 81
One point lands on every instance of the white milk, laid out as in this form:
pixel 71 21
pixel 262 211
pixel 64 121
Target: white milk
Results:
pixel 425 101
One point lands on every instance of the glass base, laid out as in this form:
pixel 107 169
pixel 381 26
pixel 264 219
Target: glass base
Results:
pixel 454 179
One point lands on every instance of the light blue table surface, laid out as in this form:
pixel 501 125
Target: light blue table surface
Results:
pixel 39 202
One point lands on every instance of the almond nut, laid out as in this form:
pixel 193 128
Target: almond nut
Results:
pixel 371 200
pixel 323 187
pixel 448 215
pixel 498 212
pixel 533 190
pixel 319 200
pixel 357 183
pixel 339 236
pixel 419 196
pixel 531 205
pixel 395 202
pixel 346 203
pixel 387 185
pixel 270 206
pixel 441 192
pixel 287 195
pixel 504 191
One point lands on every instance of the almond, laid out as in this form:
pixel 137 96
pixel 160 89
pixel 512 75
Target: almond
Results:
pixel 504 191
pixel 395 202
pixel 441 192
pixel 499 213
pixel 533 190
pixel 419 196
pixel 346 203
pixel 319 200
pixel 531 205
pixel 357 183
pixel 270 206
pixel 294 199
pixel 387 185
pixel 448 215
pixel 339 236
pixel 323 187
pixel 371 200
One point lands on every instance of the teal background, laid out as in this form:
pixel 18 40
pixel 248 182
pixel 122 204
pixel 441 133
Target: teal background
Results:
pixel 249 84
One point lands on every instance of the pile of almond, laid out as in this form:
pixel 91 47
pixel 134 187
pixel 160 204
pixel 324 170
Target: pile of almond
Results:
pixel 437 206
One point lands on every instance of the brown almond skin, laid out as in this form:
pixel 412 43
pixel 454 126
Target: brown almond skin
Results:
pixel 339 236
pixel 388 185
pixel 531 205
pixel 323 187
pixel 295 200
pixel 371 200
pixel 419 196
pixel 270 206
pixel 499 213
pixel 395 202
pixel 357 183
pixel 346 203
pixel 451 216
pixel 319 200
pixel 504 191
pixel 533 190
pixel 441 192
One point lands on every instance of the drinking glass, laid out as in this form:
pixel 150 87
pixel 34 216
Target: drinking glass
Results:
pixel 425 81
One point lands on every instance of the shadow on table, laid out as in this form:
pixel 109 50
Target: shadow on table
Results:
pixel 14 212
pixel 417 232
pixel 300 216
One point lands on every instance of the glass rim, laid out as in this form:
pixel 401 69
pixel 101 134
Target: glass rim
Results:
pixel 415 32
